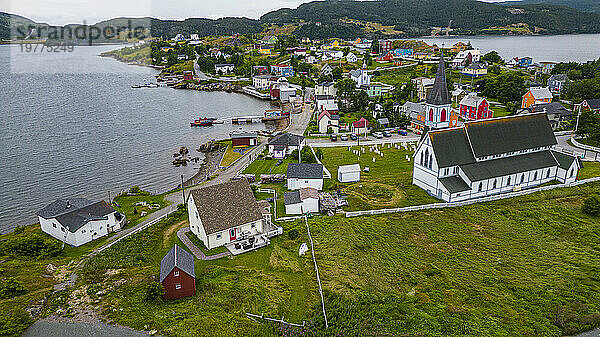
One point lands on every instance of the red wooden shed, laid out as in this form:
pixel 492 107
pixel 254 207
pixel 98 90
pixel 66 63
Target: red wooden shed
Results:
pixel 177 274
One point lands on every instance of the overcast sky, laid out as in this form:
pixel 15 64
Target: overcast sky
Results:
pixel 60 12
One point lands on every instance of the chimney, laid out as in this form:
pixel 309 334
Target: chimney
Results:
pixel 68 204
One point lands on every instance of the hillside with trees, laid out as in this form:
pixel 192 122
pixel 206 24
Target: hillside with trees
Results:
pixel 582 5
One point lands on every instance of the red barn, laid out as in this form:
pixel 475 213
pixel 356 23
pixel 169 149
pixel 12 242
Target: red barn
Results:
pixel 474 107
pixel 388 57
pixel 177 274
pixel 241 139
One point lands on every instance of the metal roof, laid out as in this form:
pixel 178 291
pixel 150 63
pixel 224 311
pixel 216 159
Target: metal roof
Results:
pixel 454 184
pixel 176 257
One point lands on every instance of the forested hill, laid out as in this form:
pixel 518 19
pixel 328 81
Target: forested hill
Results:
pixel 582 5
pixel 416 17
pixel 389 18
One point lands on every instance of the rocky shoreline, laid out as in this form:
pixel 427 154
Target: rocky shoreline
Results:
pixel 209 166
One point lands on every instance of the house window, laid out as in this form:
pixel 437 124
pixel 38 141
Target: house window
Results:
pixel 219 236
pixel 62 229
pixel 480 187
pixel 508 181
pixel 253 226
pixel 548 174
pixel 456 170
pixel 426 157
pixel 197 215
pixel 535 176
pixel 522 178
pixel 306 181
pixel 571 173
pixel 82 231
pixel 54 225
pixel 421 159
pixel 176 273
pixel 495 183
pixel 177 286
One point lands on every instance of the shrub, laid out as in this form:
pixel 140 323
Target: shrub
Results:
pixel 293 234
pixel 19 229
pixel 154 292
pixel 32 245
pixel 591 205
pixel 10 287
pixel 14 321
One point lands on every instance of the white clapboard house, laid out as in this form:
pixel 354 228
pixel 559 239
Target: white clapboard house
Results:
pixel 284 144
pixel 488 157
pixel 304 200
pixel 78 221
pixel 228 215
pixel 304 175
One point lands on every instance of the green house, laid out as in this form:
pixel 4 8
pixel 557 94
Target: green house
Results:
pixel 373 90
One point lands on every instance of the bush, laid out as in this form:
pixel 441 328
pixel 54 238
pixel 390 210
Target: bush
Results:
pixel 293 234
pixel 10 287
pixel 19 229
pixel 591 205
pixel 154 292
pixel 32 245
pixel 14 321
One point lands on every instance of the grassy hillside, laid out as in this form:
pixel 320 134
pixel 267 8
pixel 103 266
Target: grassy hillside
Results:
pixel 582 5
pixel 416 17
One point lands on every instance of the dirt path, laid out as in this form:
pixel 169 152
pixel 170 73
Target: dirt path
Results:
pixel 170 231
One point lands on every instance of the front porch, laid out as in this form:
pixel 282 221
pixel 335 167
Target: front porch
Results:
pixel 251 240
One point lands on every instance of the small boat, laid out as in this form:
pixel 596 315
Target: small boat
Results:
pixel 202 122
pixel 136 86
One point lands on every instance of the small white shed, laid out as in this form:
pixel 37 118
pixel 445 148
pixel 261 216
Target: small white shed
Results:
pixel 349 173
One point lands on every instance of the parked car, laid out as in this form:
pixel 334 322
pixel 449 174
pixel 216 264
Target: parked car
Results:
pixel 353 136
pixel 386 134
pixel 344 137
pixel 377 135
pixel 333 138
pixel 402 132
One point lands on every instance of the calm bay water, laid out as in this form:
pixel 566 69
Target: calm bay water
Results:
pixel 557 48
pixel 73 127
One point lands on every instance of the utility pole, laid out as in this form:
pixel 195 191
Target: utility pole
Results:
pixel 182 190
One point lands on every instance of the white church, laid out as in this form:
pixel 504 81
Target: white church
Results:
pixel 489 157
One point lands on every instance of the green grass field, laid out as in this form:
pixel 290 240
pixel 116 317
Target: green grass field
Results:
pixel 518 267
pixel 268 166
pixel 391 173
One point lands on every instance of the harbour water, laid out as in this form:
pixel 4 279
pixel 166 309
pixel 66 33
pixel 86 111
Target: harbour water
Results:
pixel 71 126
pixel 557 48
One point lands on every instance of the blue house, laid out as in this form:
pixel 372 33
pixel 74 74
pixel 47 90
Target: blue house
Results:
pixel 282 70
pixel 403 52
pixel 525 62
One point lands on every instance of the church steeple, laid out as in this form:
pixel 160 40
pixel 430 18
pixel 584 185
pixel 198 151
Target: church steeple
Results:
pixel 439 94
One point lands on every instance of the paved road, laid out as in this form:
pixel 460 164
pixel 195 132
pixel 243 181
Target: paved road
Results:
pixel 587 155
pixel 194 249
pixel 45 328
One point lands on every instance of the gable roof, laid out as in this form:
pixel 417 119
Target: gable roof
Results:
pixel 502 135
pixel 287 139
pixel 451 147
pixel 349 168
pixel 558 77
pixel 361 123
pixel 308 193
pixel 471 100
pixel 594 103
pixel 540 92
pixel 552 108
pixel 439 94
pixel 305 171
pixel 454 184
pixel 291 198
pixel 508 165
pixel 565 160
pixel 328 114
pixel 79 212
pixel 226 205
pixel 176 257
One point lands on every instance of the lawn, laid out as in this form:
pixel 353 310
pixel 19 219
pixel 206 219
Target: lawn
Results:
pixel 232 154
pixel 126 204
pixel 387 184
pixel 200 244
pixel 590 169
pixel 499 111
pixel 526 266
pixel 268 166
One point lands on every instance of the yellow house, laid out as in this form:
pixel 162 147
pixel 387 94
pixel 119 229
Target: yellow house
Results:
pixel 265 49
pixel 332 44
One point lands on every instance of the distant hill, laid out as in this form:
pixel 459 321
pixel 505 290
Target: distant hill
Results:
pixel 389 18
pixel 416 17
pixel 592 6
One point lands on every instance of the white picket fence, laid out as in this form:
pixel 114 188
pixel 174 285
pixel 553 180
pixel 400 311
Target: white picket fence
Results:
pixel 470 201
pixel 583 146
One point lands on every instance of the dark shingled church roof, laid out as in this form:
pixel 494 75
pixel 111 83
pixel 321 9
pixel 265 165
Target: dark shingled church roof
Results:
pixel 439 94
pixel 502 135
pixel 177 257
pixel 451 147
pixel 508 165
